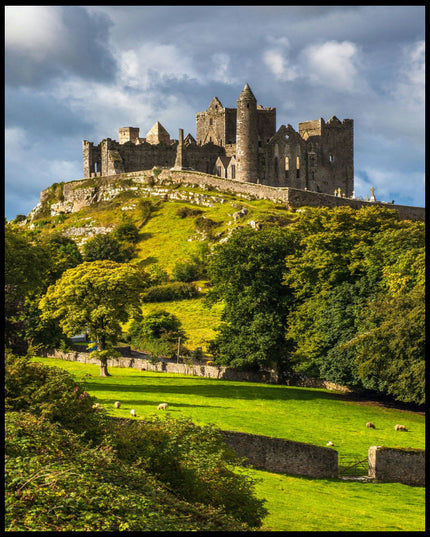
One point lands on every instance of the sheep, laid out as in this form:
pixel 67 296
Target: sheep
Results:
pixel 133 412
pixel 117 404
pixel 163 406
pixel 370 425
pixel 330 444
pixel 400 428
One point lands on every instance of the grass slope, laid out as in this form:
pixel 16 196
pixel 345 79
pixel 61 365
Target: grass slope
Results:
pixel 302 414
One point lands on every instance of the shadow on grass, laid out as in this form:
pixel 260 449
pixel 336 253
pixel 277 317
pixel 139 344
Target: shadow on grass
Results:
pixel 210 389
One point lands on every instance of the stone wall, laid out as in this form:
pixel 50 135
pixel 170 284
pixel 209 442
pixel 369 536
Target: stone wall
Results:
pixel 397 465
pixel 284 456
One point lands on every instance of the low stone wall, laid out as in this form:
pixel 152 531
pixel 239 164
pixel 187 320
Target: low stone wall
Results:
pixel 284 456
pixel 397 465
pixel 200 370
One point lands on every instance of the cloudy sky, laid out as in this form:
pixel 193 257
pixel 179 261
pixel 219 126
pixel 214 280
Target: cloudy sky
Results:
pixel 82 72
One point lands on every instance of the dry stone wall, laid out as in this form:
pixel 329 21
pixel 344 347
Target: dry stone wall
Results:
pixel 284 456
pixel 396 465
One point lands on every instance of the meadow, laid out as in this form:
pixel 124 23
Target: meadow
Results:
pixel 302 414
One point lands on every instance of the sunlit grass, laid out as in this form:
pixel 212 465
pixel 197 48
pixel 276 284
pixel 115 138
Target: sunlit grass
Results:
pixel 301 414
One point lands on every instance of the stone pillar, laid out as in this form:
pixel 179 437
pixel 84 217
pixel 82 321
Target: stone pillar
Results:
pixel 247 137
pixel 179 162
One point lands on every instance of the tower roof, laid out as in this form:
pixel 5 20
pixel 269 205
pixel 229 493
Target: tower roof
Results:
pixel 247 93
pixel 157 134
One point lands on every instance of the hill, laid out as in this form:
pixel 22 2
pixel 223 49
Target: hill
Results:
pixel 176 222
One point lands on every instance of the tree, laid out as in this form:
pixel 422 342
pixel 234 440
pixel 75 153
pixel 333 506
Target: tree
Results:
pixel 106 247
pixel 157 332
pixel 97 297
pixel 247 273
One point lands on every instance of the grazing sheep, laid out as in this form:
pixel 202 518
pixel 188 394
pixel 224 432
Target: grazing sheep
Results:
pixel 163 406
pixel 117 404
pixel 330 444
pixel 96 405
pixel 370 425
pixel 133 412
pixel 400 428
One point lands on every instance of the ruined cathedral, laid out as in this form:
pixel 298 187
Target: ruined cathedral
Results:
pixel 239 144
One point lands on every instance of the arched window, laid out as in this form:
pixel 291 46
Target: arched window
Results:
pixel 298 167
pixel 287 167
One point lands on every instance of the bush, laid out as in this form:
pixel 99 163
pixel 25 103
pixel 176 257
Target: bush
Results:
pixel 126 232
pixel 183 212
pixel 186 271
pixel 170 291
pixel 106 247
pixel 52 393
pixel 205 225
pixel 191 460
pixel 56 482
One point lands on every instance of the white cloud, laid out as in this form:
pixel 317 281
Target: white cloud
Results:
pixel 334 64
pixel 279 66
pixel 151 62
pixel 411 75
pixel 33 30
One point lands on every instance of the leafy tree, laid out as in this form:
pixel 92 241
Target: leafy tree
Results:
pixel 126 232
pixel 157 332
pixel 64 254
pixel 352 273
pixel 97 297
pixel 247 273
pixel 106 247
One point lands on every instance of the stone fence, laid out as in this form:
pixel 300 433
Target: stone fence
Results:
pixel 397 465
pixel 140 361
pixel 284 456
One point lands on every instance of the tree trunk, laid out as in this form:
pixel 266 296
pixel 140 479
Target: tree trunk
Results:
pixel 104 370
pixel 101 343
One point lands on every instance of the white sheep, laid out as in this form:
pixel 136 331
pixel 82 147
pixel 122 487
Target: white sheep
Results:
pixel 400 428
pixel 163 406
pixel 133 412
pixel 370 425
pixel 117 404
pixel 330 444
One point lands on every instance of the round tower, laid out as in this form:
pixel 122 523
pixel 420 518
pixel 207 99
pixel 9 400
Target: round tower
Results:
pixel 247 137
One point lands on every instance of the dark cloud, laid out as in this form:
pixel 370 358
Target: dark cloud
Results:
pixel 80 49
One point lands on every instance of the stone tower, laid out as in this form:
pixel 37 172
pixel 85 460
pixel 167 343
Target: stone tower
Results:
pixel 247 137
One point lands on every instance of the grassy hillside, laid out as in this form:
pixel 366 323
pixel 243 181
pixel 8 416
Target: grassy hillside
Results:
pixel 301 414
pixel 166 238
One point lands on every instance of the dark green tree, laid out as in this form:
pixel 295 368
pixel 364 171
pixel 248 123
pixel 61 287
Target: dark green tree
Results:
pixel 247 273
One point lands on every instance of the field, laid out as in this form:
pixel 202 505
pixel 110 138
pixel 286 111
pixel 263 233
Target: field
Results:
pixel 307 415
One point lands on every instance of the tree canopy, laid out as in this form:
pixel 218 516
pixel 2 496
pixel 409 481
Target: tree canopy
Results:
pixel 96 297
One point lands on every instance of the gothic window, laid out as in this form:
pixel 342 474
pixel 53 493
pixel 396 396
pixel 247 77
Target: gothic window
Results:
pixel 330 158
pixel 298 167
pixel 287 167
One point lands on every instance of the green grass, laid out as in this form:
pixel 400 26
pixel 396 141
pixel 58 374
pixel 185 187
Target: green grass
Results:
pixel 302 414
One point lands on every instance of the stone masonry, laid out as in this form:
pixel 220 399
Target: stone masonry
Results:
pixel 240 144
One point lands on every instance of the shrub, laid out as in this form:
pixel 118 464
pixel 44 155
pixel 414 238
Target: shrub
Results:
pixel 50 392
pixel 106 247
pixel 126 232
pixel 170 291
pixel 191 460
pixel 186 271
pixel 56 482
pixel 205 225
pixel 183 212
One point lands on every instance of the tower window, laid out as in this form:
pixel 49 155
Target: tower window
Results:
pixel 298 167
pixel 211 121
pixel 287 167
pixel 330 158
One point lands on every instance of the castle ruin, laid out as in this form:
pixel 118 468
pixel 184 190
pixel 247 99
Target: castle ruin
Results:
pixel 240 144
